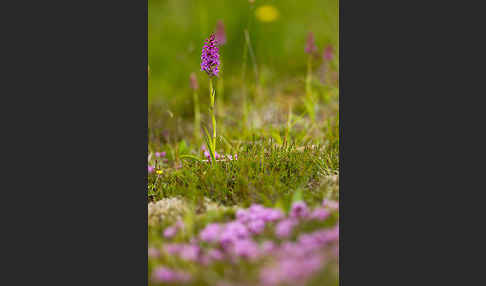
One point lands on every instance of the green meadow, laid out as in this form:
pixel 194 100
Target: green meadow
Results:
pixel 255 203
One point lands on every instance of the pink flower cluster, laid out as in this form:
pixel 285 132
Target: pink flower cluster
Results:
pixel 300 211
pixel 163 274
pixel 286 260
pixel 311 48
pixel 310 45
pixel 217 156
pixel 172 230
pixel 159 155
pixel 328 53
pixel 296 262
pixel 333 205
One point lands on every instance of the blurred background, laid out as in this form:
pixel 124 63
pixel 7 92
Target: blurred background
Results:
pixel 277 28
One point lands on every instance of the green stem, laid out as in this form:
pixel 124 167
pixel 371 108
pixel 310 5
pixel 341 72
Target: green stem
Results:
pixel 197 115
pixel 252 55
pixel 243 68
pixel 245 59
pixel 309 77
pixel 243 89
pixel 212 93
pixel 308 90
pixel 289 124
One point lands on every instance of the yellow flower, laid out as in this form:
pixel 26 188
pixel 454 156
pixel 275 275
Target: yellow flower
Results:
pixel 158 172
pixel 267 13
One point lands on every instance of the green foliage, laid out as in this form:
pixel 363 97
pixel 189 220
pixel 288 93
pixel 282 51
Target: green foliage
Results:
pixel 263 173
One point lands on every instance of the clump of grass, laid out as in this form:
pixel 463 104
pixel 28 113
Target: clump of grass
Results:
pixel 264 173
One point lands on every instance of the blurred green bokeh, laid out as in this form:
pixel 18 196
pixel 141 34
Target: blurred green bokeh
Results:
pixel 178 28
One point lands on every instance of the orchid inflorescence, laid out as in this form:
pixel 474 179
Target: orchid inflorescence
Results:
pixel 210 56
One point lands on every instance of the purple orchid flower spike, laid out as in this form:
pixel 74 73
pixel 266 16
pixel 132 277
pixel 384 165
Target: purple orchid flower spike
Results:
pixel 210 56
pixel 310 46
pixel 328 53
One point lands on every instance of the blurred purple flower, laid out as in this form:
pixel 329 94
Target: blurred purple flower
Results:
pixel 320 214
pixel 333 234
pixel 299 210
pixel 242 215
pixel 217 156
pixel 267 247
pixel 245 248
pixel 215 254
pixel 163 274
pixel 257 226
pixel 232 232
pixel 237 229
pixel 310 46
pixel 193 79
pixel 207 155
pixel 153 252
pixel 333 205
pixel 290 249
pixel 170 232
pixel 220 33
pixel 151 169
pixel 190 252
pixel 291 270
pixel 172 248
pixel 211 233
pixel 270 276
pixel 273 215
pixel 256 208
pixel 284 228
pixel 291 262
pixel 210 57
pixel 160 154
pixel 310 240
pixel 180 224
pixel 321 237
pixel 328 53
